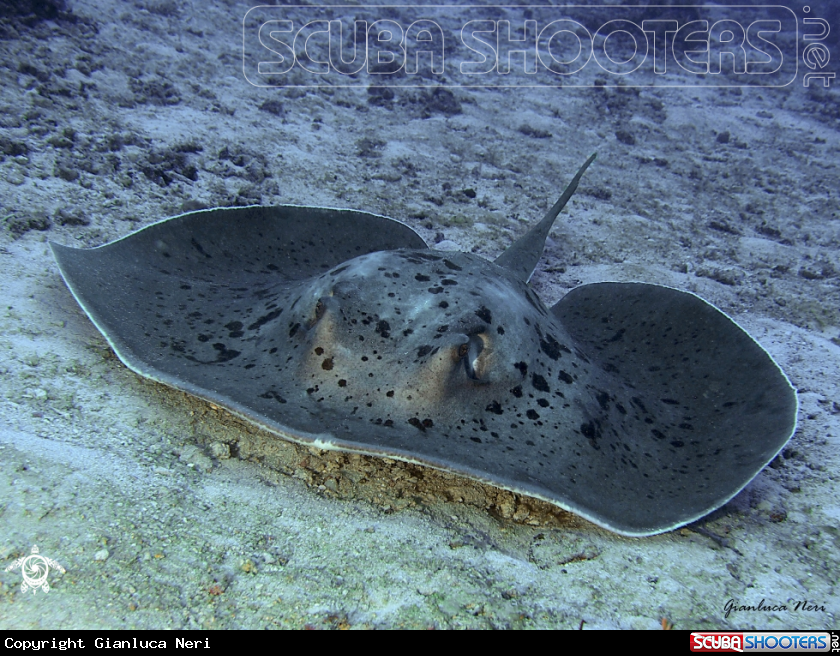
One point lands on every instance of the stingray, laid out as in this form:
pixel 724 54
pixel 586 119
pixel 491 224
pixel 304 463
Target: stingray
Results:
pixel 637 406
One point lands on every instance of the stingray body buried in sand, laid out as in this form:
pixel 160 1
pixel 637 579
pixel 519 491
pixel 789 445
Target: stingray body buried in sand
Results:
pixel 639 407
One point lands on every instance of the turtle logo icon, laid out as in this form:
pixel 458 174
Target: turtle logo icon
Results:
pixel 35 569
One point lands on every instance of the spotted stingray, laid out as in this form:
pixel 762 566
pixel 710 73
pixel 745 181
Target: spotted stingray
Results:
pixel 637 406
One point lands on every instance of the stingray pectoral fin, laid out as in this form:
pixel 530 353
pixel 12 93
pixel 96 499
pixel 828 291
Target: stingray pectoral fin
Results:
pixel 201 300
pixel 521 256
pixel 688 407
pixel 102 293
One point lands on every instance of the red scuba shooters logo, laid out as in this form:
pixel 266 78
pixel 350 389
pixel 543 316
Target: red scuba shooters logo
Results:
pixel 789 641
pixel 717 642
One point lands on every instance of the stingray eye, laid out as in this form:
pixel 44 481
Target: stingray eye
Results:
pixel 319 311
pixel 470 354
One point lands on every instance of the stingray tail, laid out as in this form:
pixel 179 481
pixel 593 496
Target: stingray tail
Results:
pixel 522 256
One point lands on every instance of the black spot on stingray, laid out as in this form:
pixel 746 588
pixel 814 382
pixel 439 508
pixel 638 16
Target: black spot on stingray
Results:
pixel 447 281
pixel 293 329
pixel 476 439
pixel 495 407
pixel 686 426
pixel 443 329
pixel 677 444
pixel 342 382
pixel 435 290
pixel 335 272
pixel 265 319
pixel 235 328
pixel 500 330
pixel 638 403
pixel 619 335
pixel 427 256
pixel 443 304
pixel 566 378
pixel 203 338
pixel 271 394
pixel 484 314
pixel 452 265
pixel 550 346
pixel 384 329
pixel 523 368
pixel 421 278
pixel 533 300
pixel 620 408
pixel 517 391
pixel 670 401
pixel 540 383
pixel 543 403
pixel 224 354
pixel 185 286
pixel 532 414
pixel 659 435
pixel 390 394
pixel 423 350
pixel 420 425
pixel 319 350
pixel 592 432
pixel 603 400
pixel 327 364
pixel 199 248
